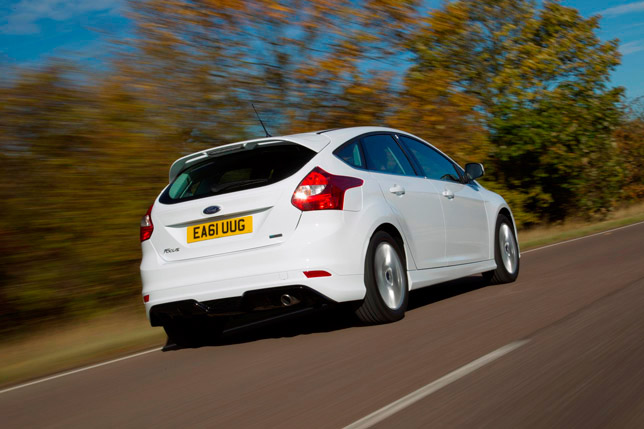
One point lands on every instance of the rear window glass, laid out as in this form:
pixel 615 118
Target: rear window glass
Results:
pixel 237 171
pixel 351 154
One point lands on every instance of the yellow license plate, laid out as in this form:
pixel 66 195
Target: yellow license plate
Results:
pixel 221 228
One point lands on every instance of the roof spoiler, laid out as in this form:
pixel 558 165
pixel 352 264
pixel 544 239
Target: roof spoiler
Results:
pixel 180 164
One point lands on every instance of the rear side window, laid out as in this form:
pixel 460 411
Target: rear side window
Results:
pixel 385 156
pixel 245 169
pixel 351 154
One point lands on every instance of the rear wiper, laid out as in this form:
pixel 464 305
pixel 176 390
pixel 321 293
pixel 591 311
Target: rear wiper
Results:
pixel 237 184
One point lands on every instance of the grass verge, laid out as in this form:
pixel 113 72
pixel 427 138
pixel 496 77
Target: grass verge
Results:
pixel 544 235
pixel 126 330
pixel 60 348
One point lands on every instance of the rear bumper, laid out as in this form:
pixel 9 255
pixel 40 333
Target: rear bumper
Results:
pixel 231 292
pixel 332 241
pixel 251 301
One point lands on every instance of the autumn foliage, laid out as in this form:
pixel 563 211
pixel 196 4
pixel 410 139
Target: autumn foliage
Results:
pixel 521 88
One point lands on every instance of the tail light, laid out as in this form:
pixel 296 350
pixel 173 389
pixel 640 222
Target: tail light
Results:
pixel 323 191
pixel 146 225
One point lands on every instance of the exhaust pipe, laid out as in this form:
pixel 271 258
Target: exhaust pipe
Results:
pixel 288 300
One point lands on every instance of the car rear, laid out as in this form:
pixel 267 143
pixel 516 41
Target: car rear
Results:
pixel 249 225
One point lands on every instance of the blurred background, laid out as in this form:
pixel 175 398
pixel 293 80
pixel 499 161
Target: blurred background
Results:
pixel 98 98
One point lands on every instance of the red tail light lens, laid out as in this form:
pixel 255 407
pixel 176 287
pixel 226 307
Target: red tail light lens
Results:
pixel 323 191
pixel 146 225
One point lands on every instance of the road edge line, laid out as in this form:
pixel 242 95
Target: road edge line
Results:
pixel 74 371
pixel 581 238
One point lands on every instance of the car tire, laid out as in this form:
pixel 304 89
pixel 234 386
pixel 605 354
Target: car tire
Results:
pixel 192 332
pixel 506 253
pixel 385 280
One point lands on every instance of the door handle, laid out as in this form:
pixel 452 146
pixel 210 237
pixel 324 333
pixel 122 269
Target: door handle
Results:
pixel 448 194
pixel 398 190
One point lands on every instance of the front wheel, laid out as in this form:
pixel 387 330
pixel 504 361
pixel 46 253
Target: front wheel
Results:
pixel 506 253
pixel 385 280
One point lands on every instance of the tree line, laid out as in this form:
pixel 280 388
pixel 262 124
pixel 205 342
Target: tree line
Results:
pixel 521 86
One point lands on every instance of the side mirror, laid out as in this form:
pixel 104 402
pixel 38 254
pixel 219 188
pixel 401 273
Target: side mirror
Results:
pixel 473 171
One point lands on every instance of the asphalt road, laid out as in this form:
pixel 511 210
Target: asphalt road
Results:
pixel 575 319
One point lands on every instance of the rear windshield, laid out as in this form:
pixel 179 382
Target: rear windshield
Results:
pixel 237 171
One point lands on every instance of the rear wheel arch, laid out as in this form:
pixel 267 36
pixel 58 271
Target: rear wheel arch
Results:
pixel 394 231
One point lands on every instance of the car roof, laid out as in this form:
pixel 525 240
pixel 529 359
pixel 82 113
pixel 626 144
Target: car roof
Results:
pixel 335 135
pixel 341 135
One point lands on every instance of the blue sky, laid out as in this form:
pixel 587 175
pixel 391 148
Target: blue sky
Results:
pixel 623 20
pixel 33 30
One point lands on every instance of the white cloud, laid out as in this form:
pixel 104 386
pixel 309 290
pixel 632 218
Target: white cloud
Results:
pixel 623 9
pixel 25 14
pixel 631 47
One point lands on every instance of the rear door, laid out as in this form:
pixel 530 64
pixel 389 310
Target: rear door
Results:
pixel 413 199
pixel 466 223
pixel 229 203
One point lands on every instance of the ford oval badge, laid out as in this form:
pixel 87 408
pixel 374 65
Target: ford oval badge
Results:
pixel 211 210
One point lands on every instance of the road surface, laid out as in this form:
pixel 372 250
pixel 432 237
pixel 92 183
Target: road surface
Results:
pixel 562 347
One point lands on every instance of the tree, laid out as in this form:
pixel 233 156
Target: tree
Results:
pixel 540 79
pixel 431 107
pixel 304 63
pixel 629 139
pixel 79 167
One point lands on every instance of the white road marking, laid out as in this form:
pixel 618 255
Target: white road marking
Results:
pixel 581 238
pixel 85 368
pixel 406 401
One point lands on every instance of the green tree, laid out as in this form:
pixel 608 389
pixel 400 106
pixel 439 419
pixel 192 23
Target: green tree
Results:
pixel 540 77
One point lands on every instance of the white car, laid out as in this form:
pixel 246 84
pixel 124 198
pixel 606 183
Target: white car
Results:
pixel 360 215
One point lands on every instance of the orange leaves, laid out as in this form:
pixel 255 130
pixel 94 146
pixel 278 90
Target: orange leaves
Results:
pixel 432 108
pixel 316 63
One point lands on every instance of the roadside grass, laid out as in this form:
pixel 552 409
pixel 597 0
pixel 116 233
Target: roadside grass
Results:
pixel 125 330
pixel 544 235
